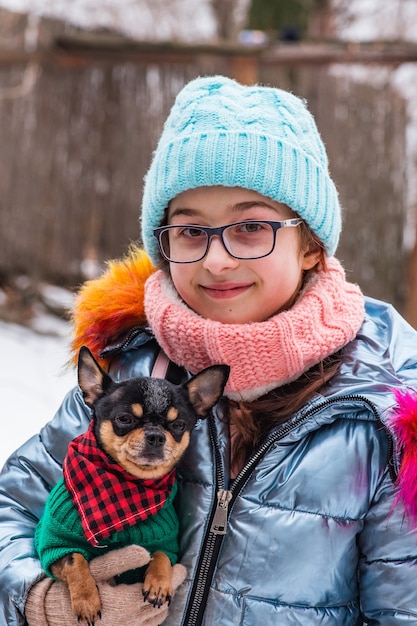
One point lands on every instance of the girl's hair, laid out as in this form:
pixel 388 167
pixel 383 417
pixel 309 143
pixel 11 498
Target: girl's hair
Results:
pixel 252 421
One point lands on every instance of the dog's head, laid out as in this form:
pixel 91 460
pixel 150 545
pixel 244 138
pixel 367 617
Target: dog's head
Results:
pixel 144 423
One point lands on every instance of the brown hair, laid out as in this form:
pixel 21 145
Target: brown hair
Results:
pixel 252 421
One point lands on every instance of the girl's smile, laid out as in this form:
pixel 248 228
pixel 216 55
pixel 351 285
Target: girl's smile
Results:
pixel 229 290
pixel 225 290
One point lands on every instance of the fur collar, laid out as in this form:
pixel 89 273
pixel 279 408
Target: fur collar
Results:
pixel 404 425
pixel 109 306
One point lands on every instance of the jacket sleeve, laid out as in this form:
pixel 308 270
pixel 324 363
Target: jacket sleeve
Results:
pixel 25 482
pixel 388 565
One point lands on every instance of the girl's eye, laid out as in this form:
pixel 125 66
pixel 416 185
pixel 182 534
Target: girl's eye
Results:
pixel 251 227
pixel 192 232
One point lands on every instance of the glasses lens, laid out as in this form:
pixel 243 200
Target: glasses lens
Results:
pixel 249 240
pixel 183 244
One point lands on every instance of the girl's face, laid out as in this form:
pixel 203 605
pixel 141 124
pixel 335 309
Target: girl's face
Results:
pixel 229 290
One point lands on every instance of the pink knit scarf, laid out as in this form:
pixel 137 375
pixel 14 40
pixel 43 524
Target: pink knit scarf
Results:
pixel 262 355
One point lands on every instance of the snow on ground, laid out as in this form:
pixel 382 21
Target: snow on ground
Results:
pixel 33 381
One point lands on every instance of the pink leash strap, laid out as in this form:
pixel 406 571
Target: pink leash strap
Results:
pixel 160 366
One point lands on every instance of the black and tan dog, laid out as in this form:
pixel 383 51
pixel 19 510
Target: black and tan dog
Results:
pixel 143 425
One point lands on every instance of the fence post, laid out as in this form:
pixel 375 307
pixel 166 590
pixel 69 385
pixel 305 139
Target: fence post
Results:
pixel 245 69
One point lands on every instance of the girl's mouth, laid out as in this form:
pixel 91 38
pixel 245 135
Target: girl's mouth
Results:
pixel 222 291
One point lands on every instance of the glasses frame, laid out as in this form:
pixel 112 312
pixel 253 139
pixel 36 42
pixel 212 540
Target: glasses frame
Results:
pixel 217 231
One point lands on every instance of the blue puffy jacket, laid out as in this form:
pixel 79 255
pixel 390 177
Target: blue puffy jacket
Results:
pixel 310 532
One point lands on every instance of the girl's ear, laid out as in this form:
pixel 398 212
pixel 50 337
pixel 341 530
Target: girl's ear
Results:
pixel 310 259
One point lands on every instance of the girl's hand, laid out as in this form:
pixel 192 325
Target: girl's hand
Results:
pixel 49 604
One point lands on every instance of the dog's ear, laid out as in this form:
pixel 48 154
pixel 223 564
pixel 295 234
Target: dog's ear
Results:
pixel 206 387
pixel 92 379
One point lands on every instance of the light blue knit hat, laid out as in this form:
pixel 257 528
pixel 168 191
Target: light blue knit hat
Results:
pixel 261 138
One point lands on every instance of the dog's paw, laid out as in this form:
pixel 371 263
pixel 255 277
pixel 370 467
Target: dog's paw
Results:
pixel 156 591
pixel 87 607
pixel 157 586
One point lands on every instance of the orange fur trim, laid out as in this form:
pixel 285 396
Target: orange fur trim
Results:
pixel 110 305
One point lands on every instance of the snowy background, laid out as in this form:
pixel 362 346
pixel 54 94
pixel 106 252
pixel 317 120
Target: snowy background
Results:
pixel 194 20
pixel 33 381
pixel 33 373
pixel 138 19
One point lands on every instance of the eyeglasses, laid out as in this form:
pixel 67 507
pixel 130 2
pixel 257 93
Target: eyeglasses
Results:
pixel 248 240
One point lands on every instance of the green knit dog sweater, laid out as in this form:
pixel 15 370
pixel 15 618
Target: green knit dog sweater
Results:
pixel 59 532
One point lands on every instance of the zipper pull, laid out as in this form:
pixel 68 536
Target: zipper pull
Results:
pixel 219 523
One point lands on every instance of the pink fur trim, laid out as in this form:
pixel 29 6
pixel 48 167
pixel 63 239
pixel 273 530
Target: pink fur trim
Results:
pixel 404 422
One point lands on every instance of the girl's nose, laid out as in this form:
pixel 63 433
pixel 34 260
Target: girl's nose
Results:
pixel 217 258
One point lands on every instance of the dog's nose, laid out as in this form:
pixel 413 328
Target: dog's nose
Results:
pixel 155 439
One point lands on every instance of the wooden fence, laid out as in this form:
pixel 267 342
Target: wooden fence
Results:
pixel 78 123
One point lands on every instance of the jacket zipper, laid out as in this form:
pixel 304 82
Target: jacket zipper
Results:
pixel 132 334
pixel 225 498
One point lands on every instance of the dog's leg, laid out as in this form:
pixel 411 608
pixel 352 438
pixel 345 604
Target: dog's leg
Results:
pixel 85 599
pixel 157 587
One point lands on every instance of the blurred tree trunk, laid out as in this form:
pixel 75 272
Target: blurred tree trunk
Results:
pixel 321 24
pixel 230 16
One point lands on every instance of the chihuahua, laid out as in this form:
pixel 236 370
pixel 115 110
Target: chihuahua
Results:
pixel 143 425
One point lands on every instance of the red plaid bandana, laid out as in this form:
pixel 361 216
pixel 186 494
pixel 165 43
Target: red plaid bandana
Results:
pixel 108 498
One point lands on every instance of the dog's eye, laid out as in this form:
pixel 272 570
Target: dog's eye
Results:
pixel 178 426
pixel 124 420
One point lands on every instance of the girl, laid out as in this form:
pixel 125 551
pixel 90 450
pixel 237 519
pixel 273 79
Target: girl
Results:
pixel 297 497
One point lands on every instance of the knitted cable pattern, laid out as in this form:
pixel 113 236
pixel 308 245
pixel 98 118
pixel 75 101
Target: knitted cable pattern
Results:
pixel 264 355
pixel 260 138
